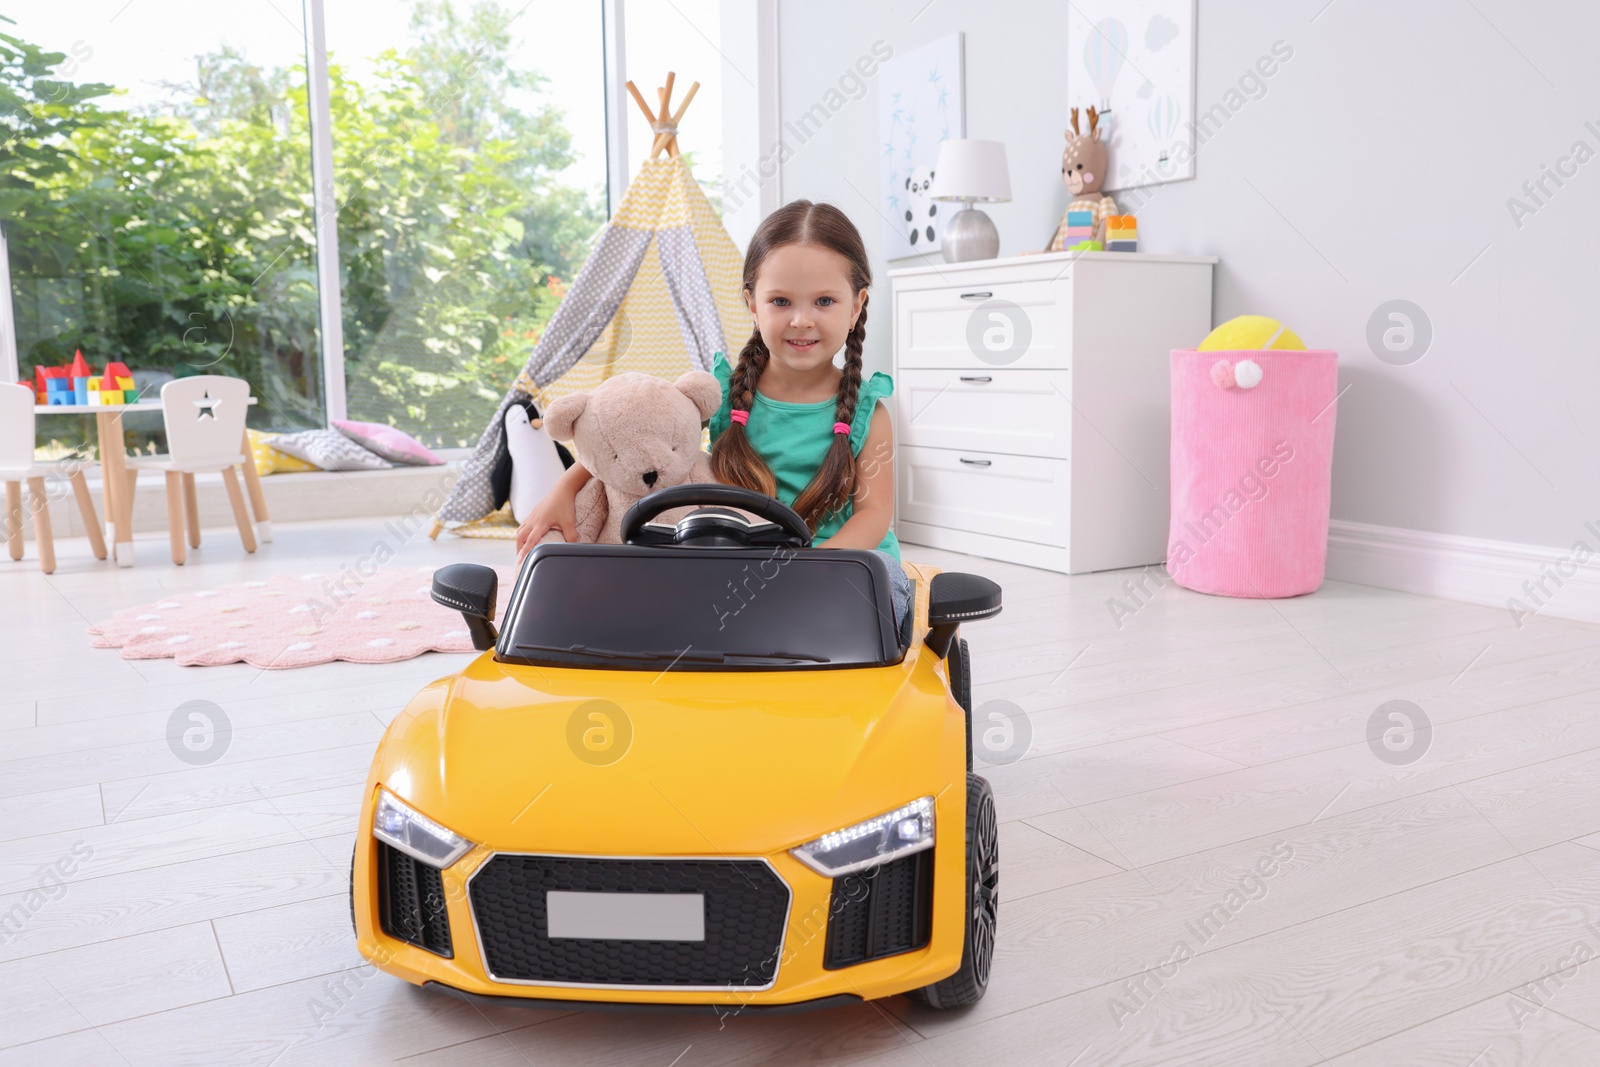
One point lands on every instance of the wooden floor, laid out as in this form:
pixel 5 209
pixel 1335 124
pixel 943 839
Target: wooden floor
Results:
pixel 1204 859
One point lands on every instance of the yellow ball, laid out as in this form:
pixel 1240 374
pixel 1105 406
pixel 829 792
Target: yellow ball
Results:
pixel 1252 332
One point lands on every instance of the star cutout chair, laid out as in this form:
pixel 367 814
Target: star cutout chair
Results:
pixel 207 405
pixel 204 418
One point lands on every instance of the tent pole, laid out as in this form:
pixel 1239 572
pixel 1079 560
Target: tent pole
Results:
pixel 649 116
pixel 661 95
pixel 677 117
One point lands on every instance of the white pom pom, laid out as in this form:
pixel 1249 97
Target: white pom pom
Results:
pixel 1247 374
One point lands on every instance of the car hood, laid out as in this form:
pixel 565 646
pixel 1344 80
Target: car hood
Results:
pixel 677 762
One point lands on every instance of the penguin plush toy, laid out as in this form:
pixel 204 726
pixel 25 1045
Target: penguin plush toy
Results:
pixel 529 463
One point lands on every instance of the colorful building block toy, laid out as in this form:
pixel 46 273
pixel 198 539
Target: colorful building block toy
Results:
pixel 1080 226
pixel 110 391
pixel 81 374
pixel 124 380
pixel 1122 233
pixel 57 386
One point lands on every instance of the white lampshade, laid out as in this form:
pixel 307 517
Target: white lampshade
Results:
pixel 971 170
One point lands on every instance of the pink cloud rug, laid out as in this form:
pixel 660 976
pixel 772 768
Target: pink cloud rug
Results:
pixel 294 621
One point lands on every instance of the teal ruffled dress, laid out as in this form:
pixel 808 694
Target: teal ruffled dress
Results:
pixel 793 439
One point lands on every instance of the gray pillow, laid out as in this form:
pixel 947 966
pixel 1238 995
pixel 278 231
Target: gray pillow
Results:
pixel 328 449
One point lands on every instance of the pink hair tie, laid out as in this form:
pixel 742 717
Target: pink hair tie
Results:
pixel 841 427
pixel 740 416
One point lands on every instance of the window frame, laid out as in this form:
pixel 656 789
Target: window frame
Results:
pixel 10 368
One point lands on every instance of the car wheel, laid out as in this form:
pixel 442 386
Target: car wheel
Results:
pixel 961 687
pixel 968 984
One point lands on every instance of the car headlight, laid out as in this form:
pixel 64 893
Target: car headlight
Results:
pixel 413 833
pixel 887 837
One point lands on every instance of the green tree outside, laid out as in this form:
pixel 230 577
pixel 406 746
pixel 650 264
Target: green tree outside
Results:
pixel 184 241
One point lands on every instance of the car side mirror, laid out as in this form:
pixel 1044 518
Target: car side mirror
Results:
pixel 470 589
pixel 955 598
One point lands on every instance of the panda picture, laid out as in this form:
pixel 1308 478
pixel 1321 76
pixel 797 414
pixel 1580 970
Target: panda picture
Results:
pixel 921 215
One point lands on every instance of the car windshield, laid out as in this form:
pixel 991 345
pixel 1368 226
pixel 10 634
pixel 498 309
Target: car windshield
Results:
pixel 702 610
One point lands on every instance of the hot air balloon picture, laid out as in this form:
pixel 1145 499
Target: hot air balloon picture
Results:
pixel 1134 61
pixel 1163 120
pixel 1104 53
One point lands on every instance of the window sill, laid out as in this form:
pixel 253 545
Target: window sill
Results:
pixel 415 493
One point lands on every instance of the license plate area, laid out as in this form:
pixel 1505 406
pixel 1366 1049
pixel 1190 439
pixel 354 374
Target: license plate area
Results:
pixel 626 916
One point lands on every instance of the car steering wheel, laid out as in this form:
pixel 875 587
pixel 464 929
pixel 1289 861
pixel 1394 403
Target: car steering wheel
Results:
pixel 715 525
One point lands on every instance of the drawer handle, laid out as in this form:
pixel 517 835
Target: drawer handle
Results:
pixel 976 296
pixel 976 378
pixel 978 462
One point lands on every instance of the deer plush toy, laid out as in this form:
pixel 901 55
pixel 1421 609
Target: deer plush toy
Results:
pixel 1083 172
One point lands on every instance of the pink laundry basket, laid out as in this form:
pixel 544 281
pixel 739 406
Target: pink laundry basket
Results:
pixel 1251 471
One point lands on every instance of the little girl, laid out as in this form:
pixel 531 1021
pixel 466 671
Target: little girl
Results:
pixel 792 425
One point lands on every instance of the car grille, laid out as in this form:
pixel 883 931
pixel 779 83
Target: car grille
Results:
pixel 411 904
pixel 746 909
pixel 881 911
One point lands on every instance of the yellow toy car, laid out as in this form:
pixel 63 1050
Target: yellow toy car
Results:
pixel 703 768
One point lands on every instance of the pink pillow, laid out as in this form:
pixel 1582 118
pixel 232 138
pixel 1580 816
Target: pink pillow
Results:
pixel 394 445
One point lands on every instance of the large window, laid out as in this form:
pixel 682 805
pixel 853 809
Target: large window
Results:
pixel 470 166
pixel 156 190
pixel 155 187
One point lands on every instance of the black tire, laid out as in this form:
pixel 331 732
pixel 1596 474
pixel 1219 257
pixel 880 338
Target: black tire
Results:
pixel 353 929
pixel 971 981
pixel 961 687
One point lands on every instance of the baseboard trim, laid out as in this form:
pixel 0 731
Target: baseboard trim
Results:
pixel 1500 574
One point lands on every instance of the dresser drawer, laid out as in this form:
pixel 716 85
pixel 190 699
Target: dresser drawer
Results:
pixel 1020 325
pixel 1017 412
pixel 1021 497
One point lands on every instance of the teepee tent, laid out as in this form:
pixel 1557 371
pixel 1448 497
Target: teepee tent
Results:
pixel 659 294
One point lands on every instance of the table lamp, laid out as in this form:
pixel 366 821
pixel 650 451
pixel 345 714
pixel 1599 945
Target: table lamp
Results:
pixel 971 171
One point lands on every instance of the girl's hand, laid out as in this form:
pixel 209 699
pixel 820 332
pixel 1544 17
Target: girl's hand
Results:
pixel 557 511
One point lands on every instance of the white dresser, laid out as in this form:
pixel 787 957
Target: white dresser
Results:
pixel 1032 404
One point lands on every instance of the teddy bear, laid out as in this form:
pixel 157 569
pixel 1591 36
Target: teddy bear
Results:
pixel 635 433
pixel 922 210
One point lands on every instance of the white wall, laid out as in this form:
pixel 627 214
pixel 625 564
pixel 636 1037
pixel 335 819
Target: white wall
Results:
pixel 749 115
pixel 1377 164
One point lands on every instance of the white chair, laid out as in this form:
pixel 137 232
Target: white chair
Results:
pixel 204 418
pixel 17 466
